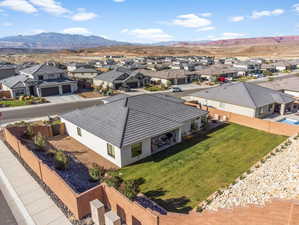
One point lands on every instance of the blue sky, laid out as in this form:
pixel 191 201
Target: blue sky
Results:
pixel 151 20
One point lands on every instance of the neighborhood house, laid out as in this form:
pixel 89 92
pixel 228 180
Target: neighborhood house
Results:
pixel 40 80
pixel 128 129
pixel 121 77
pixel 245 99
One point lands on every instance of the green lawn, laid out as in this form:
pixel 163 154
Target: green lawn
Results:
pixel 13 103
pixel 186 174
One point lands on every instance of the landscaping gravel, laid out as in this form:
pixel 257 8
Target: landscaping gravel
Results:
pixel 76 175
pixel 278 177
pixel 85 221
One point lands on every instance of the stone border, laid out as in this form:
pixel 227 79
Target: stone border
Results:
pixel 283 146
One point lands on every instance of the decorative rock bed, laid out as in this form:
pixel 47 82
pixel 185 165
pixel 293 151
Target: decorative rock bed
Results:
pixel 76 175
pixel 277 176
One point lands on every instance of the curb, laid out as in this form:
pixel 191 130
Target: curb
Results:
pixel 15 204
pixel 7 109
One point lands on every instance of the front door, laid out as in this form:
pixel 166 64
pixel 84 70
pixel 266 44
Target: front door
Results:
pixel 31 91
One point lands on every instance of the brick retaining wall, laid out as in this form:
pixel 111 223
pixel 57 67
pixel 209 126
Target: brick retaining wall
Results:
pixel 77 203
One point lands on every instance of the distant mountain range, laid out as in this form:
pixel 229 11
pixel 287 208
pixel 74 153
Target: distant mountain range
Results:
pixel 246 41
pixel 56 41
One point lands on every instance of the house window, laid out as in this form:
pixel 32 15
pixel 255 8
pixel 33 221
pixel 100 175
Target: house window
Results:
pixel 40 77
pixel 110 150
pixel 136 150
pixel 79 131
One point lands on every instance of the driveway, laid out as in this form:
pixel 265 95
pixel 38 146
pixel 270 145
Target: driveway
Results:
pixel 64 98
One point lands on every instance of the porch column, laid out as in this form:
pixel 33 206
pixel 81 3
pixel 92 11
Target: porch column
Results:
pixel 60 90
pixel 282 109
pixel 292 107
pixel 179 135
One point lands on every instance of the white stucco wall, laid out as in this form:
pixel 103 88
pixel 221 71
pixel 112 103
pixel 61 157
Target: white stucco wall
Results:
pixel 293 93
pixel 93 142
pixel 126 155
pixel 123 156
pixel 226 107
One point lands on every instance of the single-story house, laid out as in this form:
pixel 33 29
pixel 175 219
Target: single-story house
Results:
pixel 40 80
pixel 245 99
pixel 288 85
pixel 285 65
pixel 171 76
pixel 128 129
pixel 212 73
pixel 121 77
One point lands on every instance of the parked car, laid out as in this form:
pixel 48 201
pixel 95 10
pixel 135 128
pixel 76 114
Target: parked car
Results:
pixel 176 89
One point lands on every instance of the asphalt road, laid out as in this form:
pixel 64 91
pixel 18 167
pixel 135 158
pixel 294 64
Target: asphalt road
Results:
pixel 6 217
pixel 44 110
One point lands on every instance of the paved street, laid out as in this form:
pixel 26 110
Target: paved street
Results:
pixel 44 110
pixel 6 217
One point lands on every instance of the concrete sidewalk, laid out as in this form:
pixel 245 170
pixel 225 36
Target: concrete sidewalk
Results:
pixel 27 200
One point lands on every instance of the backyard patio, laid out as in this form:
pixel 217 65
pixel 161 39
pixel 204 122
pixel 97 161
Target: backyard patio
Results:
pixel 182 176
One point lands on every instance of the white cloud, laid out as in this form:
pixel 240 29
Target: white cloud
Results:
pixel 84 16
pixel 125 30
pixel 206 28
pixel 150 35
pixel 296 7
pixel 237 18
pixel 227 35
pixel 259 14
pixel 38 31
pixel 6 24
pixel 208 14
pixel 119 1
pixel 50 6
pixel 19 5
pixel 191 21
pixel 77 30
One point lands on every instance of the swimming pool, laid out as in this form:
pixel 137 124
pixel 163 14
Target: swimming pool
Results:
pixel 289 121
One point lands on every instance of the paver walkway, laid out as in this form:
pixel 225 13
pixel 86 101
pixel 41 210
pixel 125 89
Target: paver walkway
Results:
pixel 29 202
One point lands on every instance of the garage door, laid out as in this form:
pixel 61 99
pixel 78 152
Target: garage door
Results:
pixel 132 85
pixel 181 80
pixel 66 89
pixel 49 91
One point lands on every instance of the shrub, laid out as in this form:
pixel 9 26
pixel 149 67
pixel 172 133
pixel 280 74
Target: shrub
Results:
pixel 114 181
pixel 130 189
pixel 21 98
pixel 51 152
pixel 40 141
pixel 29 131
pixel 96 173
pixel 61 160
pixel 199 209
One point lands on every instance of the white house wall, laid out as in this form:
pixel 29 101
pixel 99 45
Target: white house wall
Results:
pixel 126 155
pixel 293 93
pixel 226 107
pixel 93 142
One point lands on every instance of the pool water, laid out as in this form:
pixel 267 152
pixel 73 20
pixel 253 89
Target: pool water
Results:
pixel 289 121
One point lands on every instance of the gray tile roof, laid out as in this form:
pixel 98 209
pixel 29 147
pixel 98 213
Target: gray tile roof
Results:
pixel 41 70
pixel 290 84
pixel 132 119
pixel 14 81
pixel 244 94
pixel 113 75
pixel 84 70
